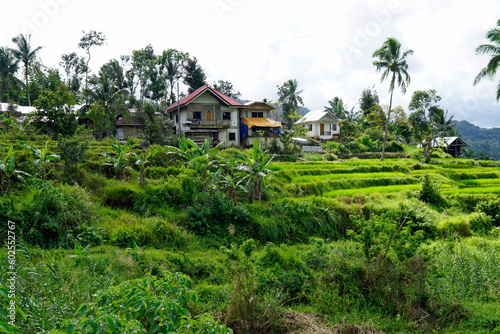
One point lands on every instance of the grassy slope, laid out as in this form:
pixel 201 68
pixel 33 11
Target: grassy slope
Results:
pixel 351 186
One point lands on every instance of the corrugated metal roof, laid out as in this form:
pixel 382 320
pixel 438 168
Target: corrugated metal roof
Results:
pixel 224 98
pixel 316 115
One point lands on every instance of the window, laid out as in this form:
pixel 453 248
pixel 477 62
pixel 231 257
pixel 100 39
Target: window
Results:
pixel 232 136
pixel 333 127
pixel 197 115
pixel 310 127
pixel 176 118
pixel 226 115
pixel 257 114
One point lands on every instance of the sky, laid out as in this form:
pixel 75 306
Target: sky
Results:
pixel 257 45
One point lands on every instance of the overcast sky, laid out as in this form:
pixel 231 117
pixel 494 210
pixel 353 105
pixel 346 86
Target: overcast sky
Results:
pixel 259 44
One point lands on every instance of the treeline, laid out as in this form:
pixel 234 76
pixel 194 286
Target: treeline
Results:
pixel 132 81
pixel 480 141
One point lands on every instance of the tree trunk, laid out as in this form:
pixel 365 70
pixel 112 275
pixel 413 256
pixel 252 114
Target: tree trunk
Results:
pixel 27 84
pixel 387 120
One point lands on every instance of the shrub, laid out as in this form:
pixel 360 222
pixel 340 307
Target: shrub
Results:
pixel 492 209
pixel 480 222
pixel 458 226
pixel 215 215
pixel 394 146
pixel 429 192
pixel 51 218
pixel 120 194
pixel 148 304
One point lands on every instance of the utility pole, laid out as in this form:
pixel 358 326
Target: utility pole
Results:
pixel 179 115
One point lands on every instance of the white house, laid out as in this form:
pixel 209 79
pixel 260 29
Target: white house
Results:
pixel 321 123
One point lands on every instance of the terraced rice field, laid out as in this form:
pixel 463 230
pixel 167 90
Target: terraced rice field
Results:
pixel 331 179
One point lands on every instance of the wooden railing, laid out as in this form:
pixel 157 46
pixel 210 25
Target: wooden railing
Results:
pixel 224 123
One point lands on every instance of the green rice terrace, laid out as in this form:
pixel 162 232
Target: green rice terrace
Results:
pixel 114 238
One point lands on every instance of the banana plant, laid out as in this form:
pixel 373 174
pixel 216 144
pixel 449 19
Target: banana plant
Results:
pixel 118 163
pixel 8 171
pixel 256 169
pixel 42 157
pixel 189 150
pixel 141 162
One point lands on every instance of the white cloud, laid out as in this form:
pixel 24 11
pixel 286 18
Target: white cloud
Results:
pixel 257 45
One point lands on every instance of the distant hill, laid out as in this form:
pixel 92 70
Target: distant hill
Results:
pixel 480 139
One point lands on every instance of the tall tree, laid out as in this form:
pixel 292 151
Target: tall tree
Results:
pixel 26 55
pixel 54 112
pixel 368 99
pixel 338 107
pixel 90 39
pixel 426 119
pixel 143 61
pixel 494 50
pixel 290 99
pixel 225 87
pixel 104 93
pixel 172 64
pixel 392 62
pixel 8 69
pixel 74 66
pixel 194 76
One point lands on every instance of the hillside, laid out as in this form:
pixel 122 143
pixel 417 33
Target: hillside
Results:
pixel 480 139
pixel 354 246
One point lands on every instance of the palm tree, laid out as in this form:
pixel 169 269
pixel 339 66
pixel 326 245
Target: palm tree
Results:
pixel 8 68
pixel 104 92
pixel 393 64
pixel 288 96
pixel 27 55
pixel 494 49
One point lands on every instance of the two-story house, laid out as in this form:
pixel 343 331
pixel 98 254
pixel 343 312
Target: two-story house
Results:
pixel 207 112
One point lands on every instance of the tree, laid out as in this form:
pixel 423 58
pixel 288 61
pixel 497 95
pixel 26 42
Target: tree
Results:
pixel 142 62
pixel 74 66
pixel 339 108
pixel 225 87
pixel 26 55
pixel 8 69
pixel 426 120
pixel 393 64
pixel 194 76
pixel 368 99
pixel 289 98
pixel 54 112
pixel 172 63
pixel 494 50
pixel 90 39
pixel 103 92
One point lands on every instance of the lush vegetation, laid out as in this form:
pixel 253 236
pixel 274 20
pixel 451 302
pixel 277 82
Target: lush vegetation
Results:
pixel 200 239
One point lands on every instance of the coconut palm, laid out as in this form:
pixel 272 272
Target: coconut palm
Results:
pixel 26 55
pixel 392 62
pixel 494 50
pixel 8 69
pixel 103 91
pixel 289 97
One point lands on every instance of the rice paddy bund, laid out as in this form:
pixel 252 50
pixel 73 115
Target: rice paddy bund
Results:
pixel 332 179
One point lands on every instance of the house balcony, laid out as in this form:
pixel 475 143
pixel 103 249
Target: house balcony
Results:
pixel 208 124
